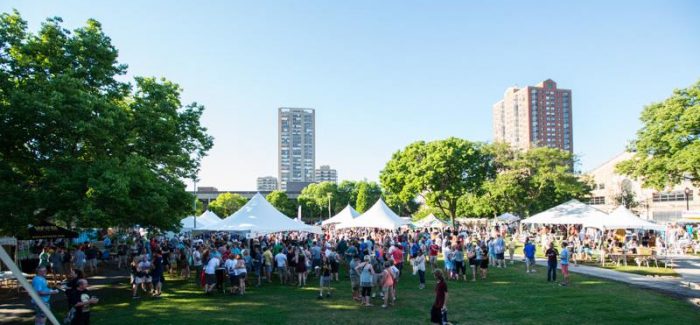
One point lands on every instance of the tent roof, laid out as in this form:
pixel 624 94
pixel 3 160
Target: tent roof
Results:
pixel 431 221
pixel 572 212
pixel 260 217
pixel 507 217
pixel 187 224
pixel 47 230
pixel 208 216
pixel 621 218
pixel 346 214
pixel 378 216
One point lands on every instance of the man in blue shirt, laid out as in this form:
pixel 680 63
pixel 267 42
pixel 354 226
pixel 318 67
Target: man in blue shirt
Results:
pixel 41 286
pixel 529 251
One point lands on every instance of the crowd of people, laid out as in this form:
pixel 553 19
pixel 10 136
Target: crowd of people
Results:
pixel 375 260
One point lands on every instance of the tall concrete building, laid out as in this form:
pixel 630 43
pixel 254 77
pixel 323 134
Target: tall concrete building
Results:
pixel 534 116
pixel 326 174
pixel 267 183
pixel 297 149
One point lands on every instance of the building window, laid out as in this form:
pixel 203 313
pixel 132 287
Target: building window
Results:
pixel 597 200
pixel 601 186
pixel 671 196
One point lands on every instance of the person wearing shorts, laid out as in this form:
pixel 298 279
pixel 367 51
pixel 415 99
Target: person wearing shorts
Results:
pixel 484 266
pixel 366 275
pixel 210 274
pixel 564 260
pixel 354 278
pixel 325 278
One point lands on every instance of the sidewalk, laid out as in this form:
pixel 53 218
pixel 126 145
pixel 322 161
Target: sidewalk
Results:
pixel 687 286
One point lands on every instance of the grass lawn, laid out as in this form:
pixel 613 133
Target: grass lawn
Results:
pixel 508 296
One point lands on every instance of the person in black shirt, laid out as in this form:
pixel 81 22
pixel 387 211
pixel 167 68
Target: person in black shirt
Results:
pixel 80 299
pixel 551 254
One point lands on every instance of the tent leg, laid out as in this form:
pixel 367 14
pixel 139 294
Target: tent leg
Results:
pixel 27 286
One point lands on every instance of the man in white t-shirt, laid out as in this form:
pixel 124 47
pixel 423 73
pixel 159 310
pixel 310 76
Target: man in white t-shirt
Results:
pixel 281 260
pixel 210 274
pixel 230 266
pixel 197 263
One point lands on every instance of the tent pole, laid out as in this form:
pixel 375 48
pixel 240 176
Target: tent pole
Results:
pixel 27 286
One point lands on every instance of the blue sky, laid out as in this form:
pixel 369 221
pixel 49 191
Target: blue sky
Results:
pixel 382 74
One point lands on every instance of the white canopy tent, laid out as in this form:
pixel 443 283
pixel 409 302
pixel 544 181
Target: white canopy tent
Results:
pixel 345 215
pixel 508 218
pixel 207 219
pixel 431 221
pixel 259 217
pixel 572 212
pixel 378 216
pixel 622 218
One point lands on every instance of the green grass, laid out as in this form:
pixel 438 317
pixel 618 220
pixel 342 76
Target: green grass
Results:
pixel 508 296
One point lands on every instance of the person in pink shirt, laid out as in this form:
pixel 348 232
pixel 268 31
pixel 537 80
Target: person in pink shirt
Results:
pixel 387 284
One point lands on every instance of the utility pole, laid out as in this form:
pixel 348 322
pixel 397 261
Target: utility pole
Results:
pixel 329 205
pixel 194 180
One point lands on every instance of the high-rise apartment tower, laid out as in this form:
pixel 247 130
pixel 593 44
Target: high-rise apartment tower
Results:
pixel 534 116
pixel 297 150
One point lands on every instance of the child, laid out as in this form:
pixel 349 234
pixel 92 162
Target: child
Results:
pixel 388 283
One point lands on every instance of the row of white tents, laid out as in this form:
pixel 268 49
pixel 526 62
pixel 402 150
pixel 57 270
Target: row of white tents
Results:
pixel 259 217
pixel 256 217
pixel 574 212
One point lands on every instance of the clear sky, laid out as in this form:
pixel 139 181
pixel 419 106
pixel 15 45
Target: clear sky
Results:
pixel 382 74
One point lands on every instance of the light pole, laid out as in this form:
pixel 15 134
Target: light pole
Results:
pixel 329 205
pixel 687 194
pixel 194 180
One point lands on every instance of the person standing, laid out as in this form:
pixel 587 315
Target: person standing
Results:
pixel 511 248
pixel 419 267
pixel 438 313
pixel 80 300
pixel 434 250
pixel 41 286
pixel 157 276
pixel 355 278
pixel 564 260
pixel 210 273
pixel 551 254
pixel 197 262
pixel 500 248
pixel 325 277
pixel 387 284
pixel 529 252
pixel 366 276
pixel 281 261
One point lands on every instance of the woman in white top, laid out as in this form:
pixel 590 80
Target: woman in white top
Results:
pixel 241 273
pixel 419 267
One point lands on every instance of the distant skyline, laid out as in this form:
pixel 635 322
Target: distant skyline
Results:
pixel 383 74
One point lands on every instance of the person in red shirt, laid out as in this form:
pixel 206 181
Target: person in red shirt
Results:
pixel 438 313
pixel 434 251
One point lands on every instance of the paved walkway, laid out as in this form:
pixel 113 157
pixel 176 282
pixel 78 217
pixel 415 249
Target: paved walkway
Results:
pixel 687 286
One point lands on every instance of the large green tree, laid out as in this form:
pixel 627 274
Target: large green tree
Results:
pixel 527 183
pixel 80 147
pixel 440 172
pixel 367 194
pixel 281 202
pixel 315 197
pixel 667 147
pixel 227 203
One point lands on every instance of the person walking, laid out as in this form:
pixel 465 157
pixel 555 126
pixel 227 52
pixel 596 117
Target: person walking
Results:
pixel 529 252
pixel 438 313
pixel 419 267
pixel 551 254
pixel 80 300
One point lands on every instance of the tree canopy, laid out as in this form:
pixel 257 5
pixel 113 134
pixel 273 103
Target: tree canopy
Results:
pixel 667 147
pixel 441 172
pixel 281 202
pixel 81 148
pixel 227 203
